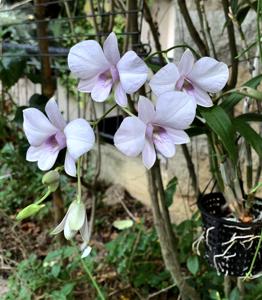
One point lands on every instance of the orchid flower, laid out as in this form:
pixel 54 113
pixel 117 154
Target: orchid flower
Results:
pixel 48 136
pixel 156 129
pixel 74 220
pixel 100 70
pixel 197 79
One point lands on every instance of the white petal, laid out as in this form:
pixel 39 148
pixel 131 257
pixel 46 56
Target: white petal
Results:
pixel 86 85
pixel 130 137
pixel 80 137
pixel 86 60
pixel 186 63
pixel 146 109
pixel 209 74
pixel 149 154
pixel 36 126
pixel 165 79
pixel 111 49
pixel 76 215
pixel 70 165
pixel 202 98
pixel 132 71
pixel 164 145
pixel 175 110
pixel 84 231
pixel 86 252
pixel 48 158
pixel 68 232
pixel 177 136
pixel 54 114
pixel 102 88
pixel 60 227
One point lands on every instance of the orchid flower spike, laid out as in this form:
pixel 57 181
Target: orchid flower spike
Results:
pixel 48 136
pixel 197 79
pixel 156 129
pixel 75 220
pixel 100 70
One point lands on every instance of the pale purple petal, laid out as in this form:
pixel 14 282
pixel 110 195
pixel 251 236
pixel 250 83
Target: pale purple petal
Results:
pixel 209 74
pixel 130 137
pixel 177 136
pixel 186 63
pixel 111 49
pixel 80 137
pixel 86 60
pixel 201 97
pixel 164 144
pixel 120 95
pixel 149 154
pixel 102 88
pixel 86 85
pixel 36 126
pixel 165 79
pixel 175 110
pixel 70 165
pixel 132 71
pixel 146 109
pixel 54 114
pixel 48 158
pixel 34 153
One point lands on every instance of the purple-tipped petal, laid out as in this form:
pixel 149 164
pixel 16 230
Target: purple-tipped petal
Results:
pixel 86 85
pixel 132 71
pixel 175 110
pixel 149 154
pixel 54 114
pixel 186 63
pixel 201 97
pixel 102 88
pixel 165 79
pixel 130 136
pixel 120 95
pixel 209 74
pixel 37 127
pixel 146 110
pixel 70 165
pixel 86 60
pixel 111 49
pixel 177 136
pixel 80 137
pixel 164 144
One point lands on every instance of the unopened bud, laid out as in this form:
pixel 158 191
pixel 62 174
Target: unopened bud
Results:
pixel 29 211
pixel 51 179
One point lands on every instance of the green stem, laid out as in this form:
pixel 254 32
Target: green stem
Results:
pixel 79 190
pixel 169 49
pixel 259 12
pixel 249 273
pixel 127 111
pixel 99 292
pixel 44 197
pixel 104 115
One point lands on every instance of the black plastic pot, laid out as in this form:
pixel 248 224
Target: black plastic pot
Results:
pixel 229 246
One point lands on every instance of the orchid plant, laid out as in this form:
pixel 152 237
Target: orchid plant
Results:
pixel 182 96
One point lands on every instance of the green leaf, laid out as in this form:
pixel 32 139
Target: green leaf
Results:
pixel 195 131
pixel 170 191
pixel 220 123
pixel 234 295
pixel 193 264
pixel 250 135
pixel 234 98
pixel 250 117
pixel 56 270
pixel 123 224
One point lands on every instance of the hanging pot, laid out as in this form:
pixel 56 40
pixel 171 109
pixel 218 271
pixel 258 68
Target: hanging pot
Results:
pixel 229 245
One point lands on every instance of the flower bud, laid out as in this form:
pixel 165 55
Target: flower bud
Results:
pixel 29 211
pixel 51 179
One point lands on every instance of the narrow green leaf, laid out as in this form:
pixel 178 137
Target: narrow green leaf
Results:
pixel 220 123
pixel 195 131
pixel 250 117
pixel 170 191
pixel 249 134
pixel 193 264
pixel 234 295
pixel 234 98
